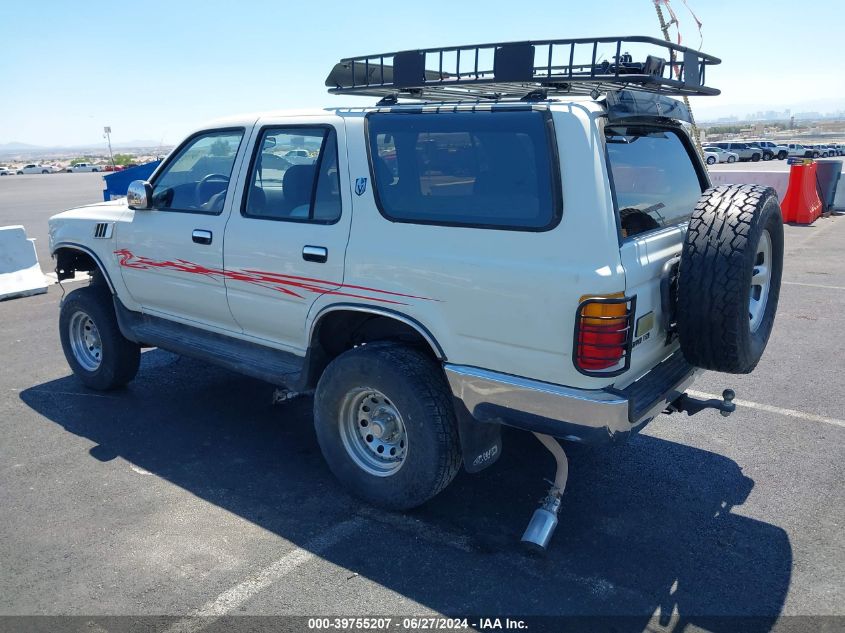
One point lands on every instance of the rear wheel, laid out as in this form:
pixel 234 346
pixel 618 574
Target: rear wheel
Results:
pixel 729 278
pixel 711 160
pixel 782 155
pixel 100 356
pixel 386 425
pixel 755 157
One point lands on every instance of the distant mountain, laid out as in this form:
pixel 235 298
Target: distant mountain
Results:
pixel 42 152
pixel 141 143
pixel 13 146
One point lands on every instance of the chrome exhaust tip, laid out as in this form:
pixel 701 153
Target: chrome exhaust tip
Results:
pixel 540 529
pixel 543 522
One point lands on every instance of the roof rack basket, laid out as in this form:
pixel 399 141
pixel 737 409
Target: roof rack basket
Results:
pixel 526 70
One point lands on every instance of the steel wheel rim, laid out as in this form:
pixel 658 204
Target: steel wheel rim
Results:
pixel 373 432
pixel 85 341
pixel 761 281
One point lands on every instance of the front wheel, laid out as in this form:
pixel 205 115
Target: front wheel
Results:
pixel 44 171
pixel 386 425
pixel 100 356
pixel 731 159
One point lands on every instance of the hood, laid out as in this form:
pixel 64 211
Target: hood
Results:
pixel 111 210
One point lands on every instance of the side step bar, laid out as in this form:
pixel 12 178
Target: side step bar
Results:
pixel 265 363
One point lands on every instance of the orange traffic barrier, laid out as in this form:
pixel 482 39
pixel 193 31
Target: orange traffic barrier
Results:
pixel 802 204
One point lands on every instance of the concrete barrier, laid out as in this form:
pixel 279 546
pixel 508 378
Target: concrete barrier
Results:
pixel 20 274
pixel 839 196
pixel 777 179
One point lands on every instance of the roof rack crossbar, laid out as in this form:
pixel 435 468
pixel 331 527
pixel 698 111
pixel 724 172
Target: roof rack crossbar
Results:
pixel 520 67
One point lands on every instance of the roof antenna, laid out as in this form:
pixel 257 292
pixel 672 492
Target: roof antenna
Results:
pixel 696 135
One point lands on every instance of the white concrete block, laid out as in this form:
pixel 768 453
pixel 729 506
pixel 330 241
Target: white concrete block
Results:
pixel 20 274
pixel 839 197
pixel 777 179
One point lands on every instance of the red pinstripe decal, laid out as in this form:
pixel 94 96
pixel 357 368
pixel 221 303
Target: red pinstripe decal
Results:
pixel 286 284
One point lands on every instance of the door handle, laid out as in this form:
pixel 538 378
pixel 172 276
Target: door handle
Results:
pixel 201 236
pixel 317 254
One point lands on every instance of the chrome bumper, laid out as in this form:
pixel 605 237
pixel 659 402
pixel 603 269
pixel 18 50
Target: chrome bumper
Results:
pixel 584 415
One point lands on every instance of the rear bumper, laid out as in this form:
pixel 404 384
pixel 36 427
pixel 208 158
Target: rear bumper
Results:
pixel 583 415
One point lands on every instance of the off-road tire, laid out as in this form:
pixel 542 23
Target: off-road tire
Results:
pixel 417 387
pixel 714 284
pixel 120 356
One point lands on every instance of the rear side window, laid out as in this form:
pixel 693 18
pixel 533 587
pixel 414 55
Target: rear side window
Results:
pixel 295 176
pixel 481 169
pixel 654 178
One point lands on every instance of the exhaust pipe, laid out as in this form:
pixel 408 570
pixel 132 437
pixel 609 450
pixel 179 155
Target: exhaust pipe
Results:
pixel 543 523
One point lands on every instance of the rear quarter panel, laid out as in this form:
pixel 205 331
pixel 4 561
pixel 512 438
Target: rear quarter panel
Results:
pixel 497 299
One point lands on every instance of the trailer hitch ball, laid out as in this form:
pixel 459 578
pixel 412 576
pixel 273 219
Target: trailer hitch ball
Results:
pixel 728 396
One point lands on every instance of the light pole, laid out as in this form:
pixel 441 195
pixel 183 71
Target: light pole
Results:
pixel 107 131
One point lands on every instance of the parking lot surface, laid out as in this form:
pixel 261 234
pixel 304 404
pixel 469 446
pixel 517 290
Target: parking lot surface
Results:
pixel 190 493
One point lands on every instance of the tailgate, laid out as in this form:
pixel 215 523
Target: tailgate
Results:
pixel 647 260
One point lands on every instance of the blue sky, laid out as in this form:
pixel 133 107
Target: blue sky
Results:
pixel 154 69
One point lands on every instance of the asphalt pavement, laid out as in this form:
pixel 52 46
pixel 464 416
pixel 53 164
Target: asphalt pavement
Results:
pixel 190 493
pixel 32 198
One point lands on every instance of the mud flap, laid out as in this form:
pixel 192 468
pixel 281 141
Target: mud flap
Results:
pixel 481 442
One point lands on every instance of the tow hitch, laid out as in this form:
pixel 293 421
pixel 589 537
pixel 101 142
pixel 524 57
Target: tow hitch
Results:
pixel 692 405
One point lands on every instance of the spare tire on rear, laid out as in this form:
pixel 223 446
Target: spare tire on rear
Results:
pixel 729 277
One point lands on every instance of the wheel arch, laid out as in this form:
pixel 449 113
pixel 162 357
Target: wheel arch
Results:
pixel 339 327
pixel 71 257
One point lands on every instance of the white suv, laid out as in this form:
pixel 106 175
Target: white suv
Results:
pixel 435 271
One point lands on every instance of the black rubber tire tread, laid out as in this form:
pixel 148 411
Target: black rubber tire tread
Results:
pixel 416 385
pixel 121 357
pixel 714 282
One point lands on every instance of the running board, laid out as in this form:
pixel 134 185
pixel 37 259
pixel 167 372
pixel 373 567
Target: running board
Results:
pixel 258 361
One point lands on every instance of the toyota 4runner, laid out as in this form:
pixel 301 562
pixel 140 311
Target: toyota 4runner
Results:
pixel 533 242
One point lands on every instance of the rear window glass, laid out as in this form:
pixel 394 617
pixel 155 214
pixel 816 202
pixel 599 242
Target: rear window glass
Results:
pixel 483 169
pixel 655 181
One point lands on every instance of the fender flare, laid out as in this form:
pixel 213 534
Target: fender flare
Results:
pixel 378 311
pixel 92 255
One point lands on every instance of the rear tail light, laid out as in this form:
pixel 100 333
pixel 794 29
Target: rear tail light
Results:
pixel 603 335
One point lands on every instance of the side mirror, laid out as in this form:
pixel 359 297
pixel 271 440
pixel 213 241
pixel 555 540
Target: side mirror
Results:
pixel 139 195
